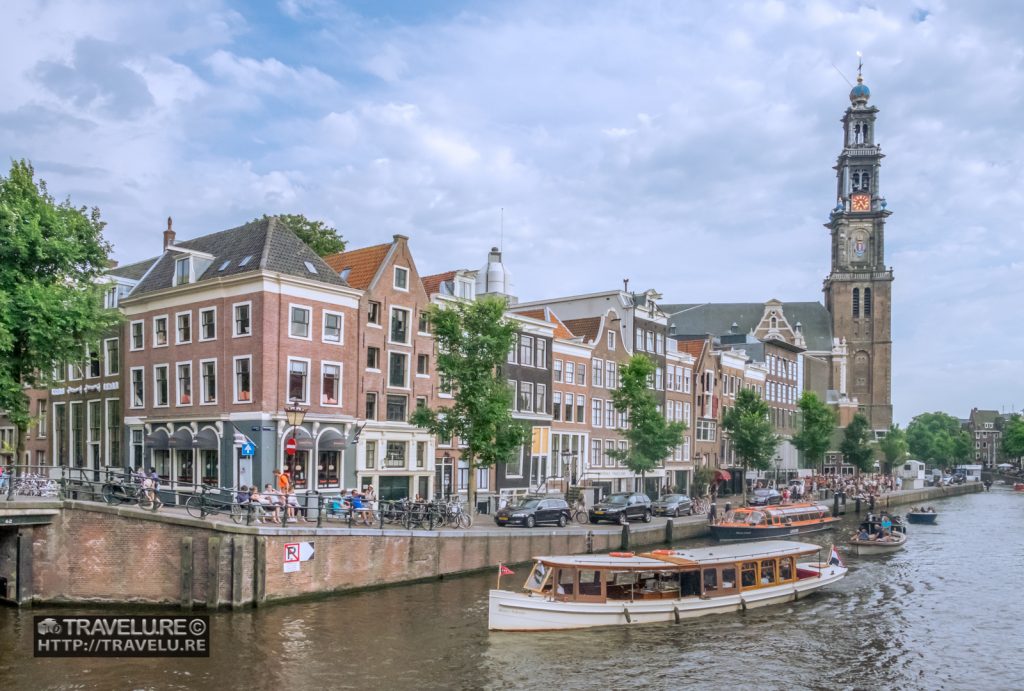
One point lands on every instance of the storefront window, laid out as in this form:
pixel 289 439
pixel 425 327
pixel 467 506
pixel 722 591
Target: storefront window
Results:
pixel 328 471
pixel 184 466
pixel 211 467
pixel 297 467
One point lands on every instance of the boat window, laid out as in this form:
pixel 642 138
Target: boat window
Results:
pixel 755 517
pixel 728 577
pixel 689 583
pixel 786 569
pixel 537 577
pixel 566 582
pixel 767 571
pixel 748 574
pixel 710 580
pixel 590 582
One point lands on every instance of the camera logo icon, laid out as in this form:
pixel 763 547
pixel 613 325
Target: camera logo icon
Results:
pixel 48 626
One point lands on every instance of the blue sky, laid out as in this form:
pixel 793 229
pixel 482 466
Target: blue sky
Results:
pixel 687 146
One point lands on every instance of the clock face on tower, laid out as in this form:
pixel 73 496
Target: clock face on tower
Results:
pixel 860 202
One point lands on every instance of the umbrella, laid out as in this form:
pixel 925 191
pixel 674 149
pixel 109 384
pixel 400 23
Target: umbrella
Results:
pixel 1005 465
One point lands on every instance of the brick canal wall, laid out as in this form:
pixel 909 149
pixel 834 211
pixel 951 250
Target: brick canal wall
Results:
pixel 100 554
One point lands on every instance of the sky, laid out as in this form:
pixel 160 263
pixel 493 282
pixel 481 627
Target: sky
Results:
pixel 687 146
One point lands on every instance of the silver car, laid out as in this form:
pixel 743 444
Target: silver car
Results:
pixel 672 505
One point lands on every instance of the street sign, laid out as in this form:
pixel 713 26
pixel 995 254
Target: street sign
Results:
pixel 248 449
pixel 295 553
pixel 290 446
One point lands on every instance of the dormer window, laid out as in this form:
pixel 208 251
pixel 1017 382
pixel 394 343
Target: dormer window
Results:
pixel 183 271
pixel 464 289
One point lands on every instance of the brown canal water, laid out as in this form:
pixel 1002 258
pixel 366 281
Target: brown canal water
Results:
pixel 945 613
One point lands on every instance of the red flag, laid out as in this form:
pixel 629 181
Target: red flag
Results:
pixel 505 571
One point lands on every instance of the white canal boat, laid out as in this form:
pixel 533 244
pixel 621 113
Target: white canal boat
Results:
pixel 575 592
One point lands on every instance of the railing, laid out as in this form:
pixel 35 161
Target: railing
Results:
pixel 393 462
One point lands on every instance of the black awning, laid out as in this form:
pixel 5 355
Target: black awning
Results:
pixel 156 440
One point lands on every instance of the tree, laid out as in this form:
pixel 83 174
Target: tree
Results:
pixel 857 443
pixel 51 257
pixel 472 340
pixel 935 438
pixel 1013 437
pixel 817 423
pixel 651 438
pixel 751 433
pixel 322 238
pixel 893 446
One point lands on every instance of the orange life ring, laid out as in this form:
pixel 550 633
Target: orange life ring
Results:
pixel 663 551
pixel 620 554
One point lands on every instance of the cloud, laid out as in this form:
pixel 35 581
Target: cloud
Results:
pixel 686 147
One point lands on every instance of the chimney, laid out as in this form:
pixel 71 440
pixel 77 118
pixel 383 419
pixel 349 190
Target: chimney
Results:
pixel 168 234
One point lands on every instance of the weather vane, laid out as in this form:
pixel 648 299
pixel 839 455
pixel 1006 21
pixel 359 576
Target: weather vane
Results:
pixel 860 65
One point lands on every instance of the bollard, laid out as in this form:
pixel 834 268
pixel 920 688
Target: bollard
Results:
pixel 728 506
pixel 319 511
pixel 669 528
pixel 284 511
pixel 248 513
pixel 871 502
pixel 625 537
pixel 856 506
pixel 202 501
pixel 835 504
pixel 590 542
pixel 842 495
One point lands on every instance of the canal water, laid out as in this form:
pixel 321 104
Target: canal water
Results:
pixel 945 613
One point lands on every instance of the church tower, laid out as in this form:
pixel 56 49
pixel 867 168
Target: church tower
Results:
pixel 858 290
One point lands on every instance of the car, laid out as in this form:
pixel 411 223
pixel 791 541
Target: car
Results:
pixel 672 505
pixel 622 507
pixel 765 497
pixel 959 478
pixel 533 511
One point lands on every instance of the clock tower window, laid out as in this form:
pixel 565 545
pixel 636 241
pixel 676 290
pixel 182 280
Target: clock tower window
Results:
pixel 861 181
pixel 856 303
pixel 867 302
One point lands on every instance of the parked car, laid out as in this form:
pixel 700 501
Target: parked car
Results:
pixel 622 507
pixel 672 505
pixel 764 497
pixel 535 510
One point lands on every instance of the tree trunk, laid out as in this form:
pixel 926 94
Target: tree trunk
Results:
pixel 746 469
pixel 471 486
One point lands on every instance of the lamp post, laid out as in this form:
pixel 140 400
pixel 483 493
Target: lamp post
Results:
pixel 446 475
pixel 294 414
pixel 566 461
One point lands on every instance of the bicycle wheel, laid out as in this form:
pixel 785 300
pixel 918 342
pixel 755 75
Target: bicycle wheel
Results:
pixel 580 516
pixel 465 520
pixel 194 506
pixel 145 502
pixel 237 514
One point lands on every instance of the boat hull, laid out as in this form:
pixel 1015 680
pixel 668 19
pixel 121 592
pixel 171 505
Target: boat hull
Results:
pixel 869 547
pixel 925 518
pixel 726 533
pixel 511 611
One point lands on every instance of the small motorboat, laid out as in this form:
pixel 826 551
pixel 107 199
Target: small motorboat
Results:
pixel 1018 487
pixel 922 515
pixel 884 534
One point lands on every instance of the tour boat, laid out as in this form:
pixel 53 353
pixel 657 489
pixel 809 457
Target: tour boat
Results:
pixel 760 522
pixel 666 585
pixel 893 542
pixel 922 516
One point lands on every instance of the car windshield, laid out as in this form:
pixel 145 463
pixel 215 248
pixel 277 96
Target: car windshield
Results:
pixel 616 499
pixel 528 504
pixel 673 497
pixel 762 492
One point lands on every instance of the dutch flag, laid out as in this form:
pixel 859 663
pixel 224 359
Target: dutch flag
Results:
pixel 834 559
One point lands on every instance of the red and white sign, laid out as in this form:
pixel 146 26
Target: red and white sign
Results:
pixel 290 446
pixel 295 553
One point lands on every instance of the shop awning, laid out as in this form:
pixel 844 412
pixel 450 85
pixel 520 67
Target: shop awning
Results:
pixel 181 439
pixel 207 439
pixel 156 440
pixel 722 475
pixel 332 440
pixel 303 439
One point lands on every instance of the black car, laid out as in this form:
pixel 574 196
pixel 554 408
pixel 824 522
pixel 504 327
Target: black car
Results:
pixel 764 497
pixel 673 505
pixel 622 507
pixel 534 510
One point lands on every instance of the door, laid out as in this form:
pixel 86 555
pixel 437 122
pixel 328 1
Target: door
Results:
pixel 393 488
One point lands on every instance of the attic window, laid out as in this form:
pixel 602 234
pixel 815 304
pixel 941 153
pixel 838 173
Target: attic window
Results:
pixel 224 265
pixel 345 272
pixel 310 268
pixel 183 271
pixel 246 260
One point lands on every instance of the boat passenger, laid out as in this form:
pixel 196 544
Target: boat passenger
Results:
pixel 863 534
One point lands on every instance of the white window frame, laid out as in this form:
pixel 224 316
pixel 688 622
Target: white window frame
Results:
pixel 408 374
pixel 106 359
pixel 234 377
pixel 200 324
pixel 341 324
pixel 611 339
pixel 418 375
pixel 234 322
pixel 309 324
pixel 106 436
pixel 596 412
pixel 341 374
pixel 156 387
pixel 191 270
pixel 131 335
pixel 216 382
pixel 131 389
pixel 191 325
pixel 167 327
pixel 394 278
pixel 288 376
pixel 380 366
pixel 177 385
pixel 408 324
pixel 557 371
pixel 597 380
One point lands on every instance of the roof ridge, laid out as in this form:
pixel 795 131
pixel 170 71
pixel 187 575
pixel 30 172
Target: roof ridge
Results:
pixel 265 252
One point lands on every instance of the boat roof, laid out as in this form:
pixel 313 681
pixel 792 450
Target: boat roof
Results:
pixel 661 560
pixel 787 510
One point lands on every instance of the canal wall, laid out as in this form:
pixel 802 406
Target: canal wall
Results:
pixel 96 554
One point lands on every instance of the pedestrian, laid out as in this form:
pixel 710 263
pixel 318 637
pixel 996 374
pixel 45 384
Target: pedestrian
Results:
pixel 3 478
pixel 712 513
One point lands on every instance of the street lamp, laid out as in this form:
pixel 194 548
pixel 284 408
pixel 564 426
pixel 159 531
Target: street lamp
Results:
pixel 295 414
pixel 566 458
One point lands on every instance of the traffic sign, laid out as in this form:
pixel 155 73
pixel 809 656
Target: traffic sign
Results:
pixel 290 446
pixel 248 449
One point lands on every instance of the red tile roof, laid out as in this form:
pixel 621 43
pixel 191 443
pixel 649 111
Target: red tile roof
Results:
pixel 587 327
pixel 432 284
pixel 362 263
pixel 694 346
pixel 545 314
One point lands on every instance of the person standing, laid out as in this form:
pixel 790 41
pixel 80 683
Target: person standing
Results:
pixel 712 513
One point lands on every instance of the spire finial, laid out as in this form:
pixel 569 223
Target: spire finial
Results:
pixel 860 67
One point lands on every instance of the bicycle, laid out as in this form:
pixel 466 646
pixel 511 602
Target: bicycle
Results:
pixel 199 506
pixel 116 491
pixel 700 505
pixel 579 513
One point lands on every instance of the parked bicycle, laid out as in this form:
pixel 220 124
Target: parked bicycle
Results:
pixel 117 492
pixel 579 513
pixel 31 485
pixel 203 504
pixel 700 505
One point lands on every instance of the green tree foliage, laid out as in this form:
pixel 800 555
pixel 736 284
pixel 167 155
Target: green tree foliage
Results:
pixel 322 238
pixel 51 255
pixel 751 433
pixel 856 446
pixel 937 439
pixel 893 446
pixel 472 341
pixel 702 477
pixel 651 438
pixel 1013 437
pixel 817 423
